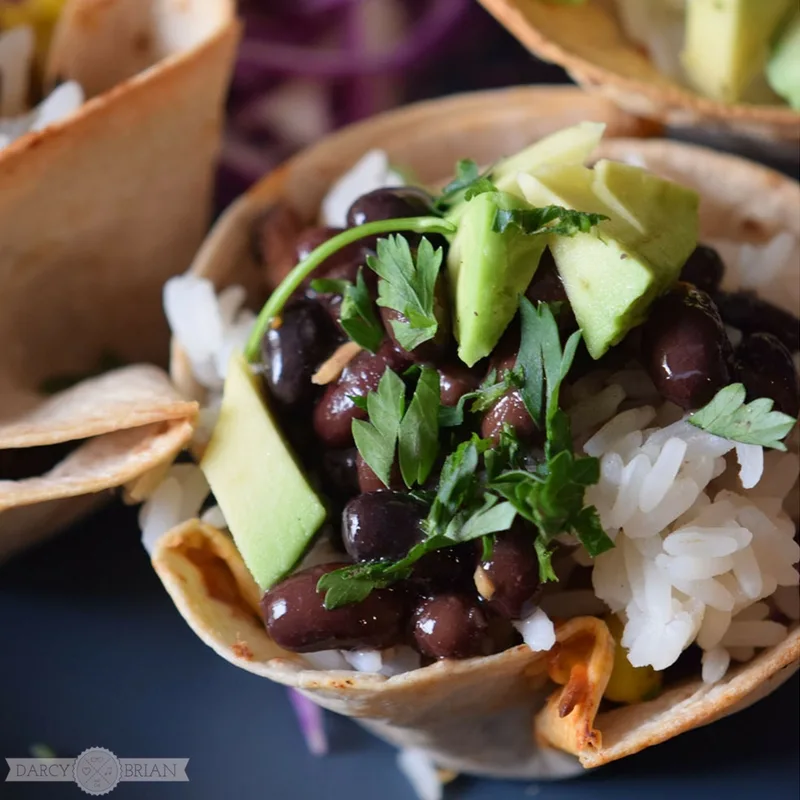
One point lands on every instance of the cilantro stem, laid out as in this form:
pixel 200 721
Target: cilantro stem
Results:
pixel 292 281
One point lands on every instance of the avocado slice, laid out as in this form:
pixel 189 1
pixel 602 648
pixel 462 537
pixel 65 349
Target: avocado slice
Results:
pixel 568 146
pixel 727 43
pixel 271 510
pixel 783 67
pixel 488 272
pixel 612 274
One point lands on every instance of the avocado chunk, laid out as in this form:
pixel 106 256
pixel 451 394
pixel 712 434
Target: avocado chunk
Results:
pixel 271 510
pixel 727 43
pixel 488 272
pixel 613 274
pixel 568 146
pixel 783 68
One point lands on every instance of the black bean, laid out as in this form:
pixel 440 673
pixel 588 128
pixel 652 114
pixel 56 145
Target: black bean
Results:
pixel 382 525
pixel 342 265
pixel 546 285
pixel 381 204
pixel 335 411
pixel 293 350
pixel 450 568
pixel 508 410
pixel 685 347
pixel 704 269
pixel 455 380
pixel 766 369
pixel 751 314
pixel 340 471
pixel 297 620
pixel 274 236
pixel 510 578
pixel 368 481
pixel 451 626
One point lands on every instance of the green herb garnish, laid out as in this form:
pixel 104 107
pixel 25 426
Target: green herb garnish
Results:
pixel 301 271
pixel 413 431
pixel 356 315
pixel 728 416
pixel 460 512
pixel 482 399
pixel 546 220
pixel 418 437
pixel 408 286
pixel 468 183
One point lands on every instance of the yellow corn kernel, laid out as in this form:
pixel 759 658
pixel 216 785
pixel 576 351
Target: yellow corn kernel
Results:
pixel 629 684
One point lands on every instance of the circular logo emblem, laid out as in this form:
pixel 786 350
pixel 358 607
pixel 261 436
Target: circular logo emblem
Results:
pixel 96 771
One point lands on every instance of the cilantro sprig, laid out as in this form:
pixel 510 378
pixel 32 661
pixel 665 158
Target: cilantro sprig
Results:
pixel 482 399
pixel 357 314
pixel 546 220
pixel 467 183
pixel 301 271
pixel 460 512
pixel 728 416
pixel 411 432
pixel 407 285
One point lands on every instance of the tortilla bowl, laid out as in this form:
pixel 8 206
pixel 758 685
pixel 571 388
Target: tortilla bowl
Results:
pixel 98 210
pixel 486 716
pixel 607 63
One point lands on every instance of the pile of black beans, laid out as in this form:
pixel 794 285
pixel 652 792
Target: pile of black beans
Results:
pixel 456 604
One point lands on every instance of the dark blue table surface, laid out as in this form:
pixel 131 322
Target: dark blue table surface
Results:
pixel 93 654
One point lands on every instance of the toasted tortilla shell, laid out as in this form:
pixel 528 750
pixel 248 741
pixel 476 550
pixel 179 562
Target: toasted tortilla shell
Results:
pixel 125 398
pixel 476 715
pixel 588 41
pixel 102 463
pixel 98 210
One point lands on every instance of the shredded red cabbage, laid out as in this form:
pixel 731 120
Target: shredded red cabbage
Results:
pixel 309 66
pixel 312 722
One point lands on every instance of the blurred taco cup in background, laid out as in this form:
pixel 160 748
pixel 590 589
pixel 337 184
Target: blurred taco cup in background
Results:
pixel 97 210
pixel 500 715
pixel 589 39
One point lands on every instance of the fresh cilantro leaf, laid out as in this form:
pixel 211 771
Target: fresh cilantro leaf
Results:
pixel 482 399
pixel 547 220
pixel 487 545
pixel 590 532
pixel 728 416
pixel 468 183
pixel 358 401
pixel 408 287
pixel 542 360
pixel 358 316
pixel 377 438
pixel 491 517
pixel 545 556
pixel 330 285
pixel 418 443
pixel 354 583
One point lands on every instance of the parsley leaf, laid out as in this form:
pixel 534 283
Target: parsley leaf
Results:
pixel 408 287
pixel 728 416
pixel 482 399
pixel 418 443
pixel 547 220
pixel 468 183
pixel 330 285
pixel 377 438
pixel 357 314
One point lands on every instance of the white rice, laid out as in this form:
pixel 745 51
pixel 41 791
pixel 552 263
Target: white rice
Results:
pixel 537 630
pixel 178 498
pixel 371 172
pixel 689 555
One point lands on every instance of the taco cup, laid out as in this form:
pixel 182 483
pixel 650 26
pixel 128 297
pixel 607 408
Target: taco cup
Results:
pixel 97 210
pixel 475 698
pixel 609 62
